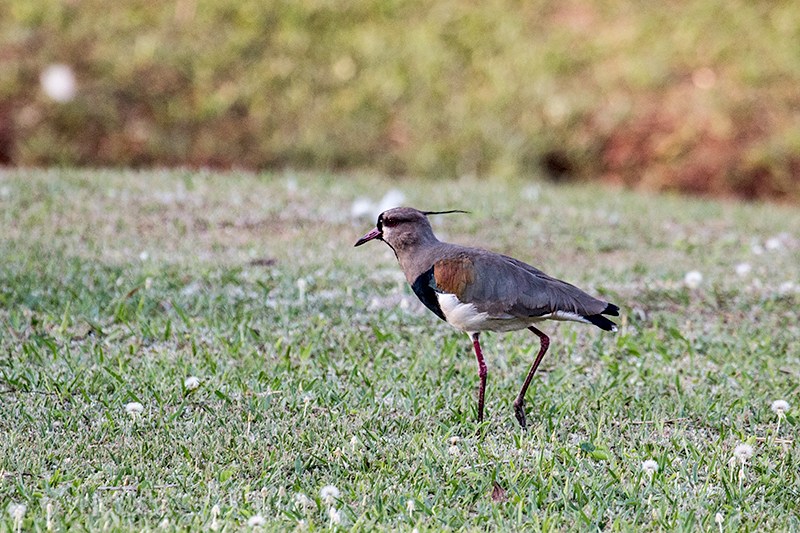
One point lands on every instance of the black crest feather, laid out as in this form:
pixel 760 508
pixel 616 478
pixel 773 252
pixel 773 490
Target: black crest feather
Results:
pixel 426 213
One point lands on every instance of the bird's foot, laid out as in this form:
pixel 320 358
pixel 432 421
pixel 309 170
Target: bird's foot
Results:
pixel 519 411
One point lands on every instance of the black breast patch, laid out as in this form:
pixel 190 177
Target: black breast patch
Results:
pixel 423 287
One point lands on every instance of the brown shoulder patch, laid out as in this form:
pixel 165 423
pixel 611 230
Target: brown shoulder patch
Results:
pixel 454 275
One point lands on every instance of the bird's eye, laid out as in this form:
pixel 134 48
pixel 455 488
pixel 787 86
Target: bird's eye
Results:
pixel 389 223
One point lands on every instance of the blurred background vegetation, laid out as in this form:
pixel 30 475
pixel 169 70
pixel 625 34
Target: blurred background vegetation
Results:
pixel 700 96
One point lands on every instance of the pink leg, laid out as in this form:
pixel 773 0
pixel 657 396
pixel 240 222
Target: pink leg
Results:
pixel 482 372
pixel 519 403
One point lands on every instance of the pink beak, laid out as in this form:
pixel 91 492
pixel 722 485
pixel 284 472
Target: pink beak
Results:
pixel 374 234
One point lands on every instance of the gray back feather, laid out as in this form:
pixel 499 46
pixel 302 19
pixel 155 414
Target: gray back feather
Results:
pixel 506 286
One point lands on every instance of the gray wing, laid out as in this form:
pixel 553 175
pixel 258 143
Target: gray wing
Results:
pixel 507 287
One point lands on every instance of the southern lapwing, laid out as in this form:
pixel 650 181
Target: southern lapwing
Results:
pixel 476 290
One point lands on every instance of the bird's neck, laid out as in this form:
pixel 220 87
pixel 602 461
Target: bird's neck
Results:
pixel 417 257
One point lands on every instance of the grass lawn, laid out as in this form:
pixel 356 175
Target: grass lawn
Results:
pixel 317 366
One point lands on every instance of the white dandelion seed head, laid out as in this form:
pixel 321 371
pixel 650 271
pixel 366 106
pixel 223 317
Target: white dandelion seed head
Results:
pixel 17 511
pixel 336 518
pixel 780 407
pixel 328 494
pixel 58 82
pixel 743 452
pixel 215 510
pixel 410 506
pixel 393 198
pixel 134 408
pixel 452 450
pixel 718 518
pixel 773 243
pixel 531 192
pixel 693 279
pixel 256 521
pixel 191 383
pixel 454 440
pixel 361 207
pixel 742 269
pixel 302 500
pixel 650 466
pixel 144 256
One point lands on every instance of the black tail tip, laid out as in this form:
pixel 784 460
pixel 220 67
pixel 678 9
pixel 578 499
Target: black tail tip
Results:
pixel 602 322
pixel 611 309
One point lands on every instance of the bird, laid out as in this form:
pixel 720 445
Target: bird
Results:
pixel 476 290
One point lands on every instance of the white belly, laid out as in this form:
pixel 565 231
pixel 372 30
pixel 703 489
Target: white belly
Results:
pixel 465 317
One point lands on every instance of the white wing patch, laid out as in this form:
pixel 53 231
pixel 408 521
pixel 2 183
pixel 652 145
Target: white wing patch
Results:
pixel 460 315
pixel 563 315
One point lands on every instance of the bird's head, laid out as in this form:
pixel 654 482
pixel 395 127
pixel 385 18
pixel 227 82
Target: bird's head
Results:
pixel 403 227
